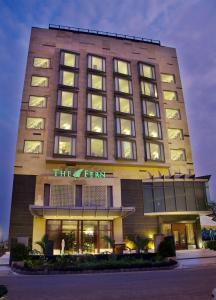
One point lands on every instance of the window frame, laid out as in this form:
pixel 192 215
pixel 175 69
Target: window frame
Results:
pixel 46 98
pixel 177 139
pixel 75 99
pixel 89 124
pixel 116 85
pixel 117 106
pixel 89 63
pixel 29 128
pixel 89 82
pixel 119 147
pixel 89 100
pixel 88 148
pixel 73 145
pixel 73 123
pixel 157 108
pixel 179 160
pixel 33 61
pixel 174 79
pixel 77 57
pixel 176 109
pixel 141 74
pixel 159 127
pixel 172 92
pixel 76 79
pixel 142 82
pixel 115 67
pixel 42 146
pixel 40 86
pixel 162 153
pixel 118 127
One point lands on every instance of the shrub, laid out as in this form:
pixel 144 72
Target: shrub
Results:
pixel 18 252
pixel 210 245
pixel 167 247
pixel 46 245
pixel 3 290
pixel 140 242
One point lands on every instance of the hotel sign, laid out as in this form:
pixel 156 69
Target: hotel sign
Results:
pixel 84 173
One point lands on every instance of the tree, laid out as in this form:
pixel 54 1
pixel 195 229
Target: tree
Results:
pixel 111 241
pixel 140 242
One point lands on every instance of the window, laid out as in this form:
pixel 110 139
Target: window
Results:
pixel 96 82
pixel 37 101
pixel 39 62
pixel 147 71
pixel 96 147
pixel 169 95
pixel 35 123
pixel 153 129
pixel 177 154
pixel 96 63
pixel 124 105
pixel 97 102
pixel 125 126
pixel 33 147
pixel 68 78
pixel 175 134
pixel 173 114
pixel 65 145
pixel 126 149
pixel 151 109
pixel 154 151
pixel 122 67
pixel 67 99
pixel 168 78
pixel 39 81
pixel 66 121
pixel 96 124
pixel 149 89
pixel 69 59
pixel 123 85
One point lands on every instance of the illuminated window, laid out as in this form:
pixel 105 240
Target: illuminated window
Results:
pixel 122 67
pixel 96 147
pixel 173 114
pixel 147 71
pixel 151 109
pixel 153 129
pixel 124 105
pixel 39 81
pixel 68 78
pixel 33 147
pixel 39 62
pixel 177 154
pixel 126 149
pixel 96 63
pixel 149 89
pixel 123 85
pixel 69 59
pixel 35 123
pixel 96 124
pixel 65 145
pixel 125 126
pixel 97 102
pixel 175 134
pixel 154 151
pixel 66 121
pixel 169 95
pixel 37 101
pixel 168 78
pixel 67 99
pixel 96 82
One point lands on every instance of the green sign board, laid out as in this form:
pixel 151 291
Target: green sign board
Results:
pixel 79 173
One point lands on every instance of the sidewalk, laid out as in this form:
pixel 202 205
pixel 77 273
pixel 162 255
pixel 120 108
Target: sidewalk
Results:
pixel 195 253
pixel 196 258
pixel 5 270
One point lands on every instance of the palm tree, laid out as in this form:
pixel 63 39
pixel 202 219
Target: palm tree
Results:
pixel 43 243
pixel 140 242
pixel 111 242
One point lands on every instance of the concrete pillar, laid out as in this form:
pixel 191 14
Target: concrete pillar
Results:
pixel 118 230
pixel 39 229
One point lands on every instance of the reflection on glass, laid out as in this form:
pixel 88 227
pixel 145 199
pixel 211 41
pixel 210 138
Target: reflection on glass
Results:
pixel 39 81
pixel 33 147
pixel 167 78
pixel 175 134
pixel 67 99
pixel 169 95
pixel 69 59
pixel 68 78
pixel 173 114
pixel 65 145
pixel 122 67
pixel 35 123
pixel 177 154
pixel 37 101
pixel 41 62
pixel 65 121
pixel 97 147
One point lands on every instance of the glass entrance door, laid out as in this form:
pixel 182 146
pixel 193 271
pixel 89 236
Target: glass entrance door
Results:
pixel 179 233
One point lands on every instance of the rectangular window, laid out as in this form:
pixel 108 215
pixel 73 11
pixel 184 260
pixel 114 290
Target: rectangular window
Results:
pixel 66 121
pixel 154 151
pixel 67 99
pixel 167 78
pixel 39 81
pixel 37 101
pixel 151 109
pixel 122 67
pixel 153 129
pixel 126 149
pixel 97 102
pixel 175 134
pixel 173 114
pixel 169 95
pixel 68 78
pixel 96 63
pixel 96 82
pixel 177 154
pixel 123 85
pixel 147 71
pixel 65 145
pixel 40 62
pixel 96 124
pixel 124 105
pixel 33 147
pixel 69 59
pixel 96 147
pixel 125 126
pixel 34 123
pixel 149 89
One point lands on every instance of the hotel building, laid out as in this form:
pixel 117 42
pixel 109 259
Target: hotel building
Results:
pixel 103 145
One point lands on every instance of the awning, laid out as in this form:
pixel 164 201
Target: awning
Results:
pixel 81 213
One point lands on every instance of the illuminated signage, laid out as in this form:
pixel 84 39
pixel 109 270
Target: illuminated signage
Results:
pixel 79 173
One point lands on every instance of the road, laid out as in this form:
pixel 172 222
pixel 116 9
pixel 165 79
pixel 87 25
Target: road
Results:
pixel 185 284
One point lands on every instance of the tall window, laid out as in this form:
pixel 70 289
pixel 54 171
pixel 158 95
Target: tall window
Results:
pixel 177 154
pixel 40 62
pixel 68 78
pixel 123 85
pixel 67 99
pixel 69 59
pixel 153 129
pixel 65 145
pixel 175 134
pixel 154 151
pixel 41 81
pixel 125 126
pixel 147 71
pixel 122 67
pixel 97 102
pixel 151 109
pixel 96 124
pixel 35 147
pixel 149 89
pixel 96 63
pixel 37 101
pixel 126 149
pixel 169 95
pixel 124 105
pixel 96 147
pixel 96 82
pixel 167 78
pixel 172 113
pixel 34 123
pixel 66 121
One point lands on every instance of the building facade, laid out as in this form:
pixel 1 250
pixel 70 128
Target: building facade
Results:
pixel 103 145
